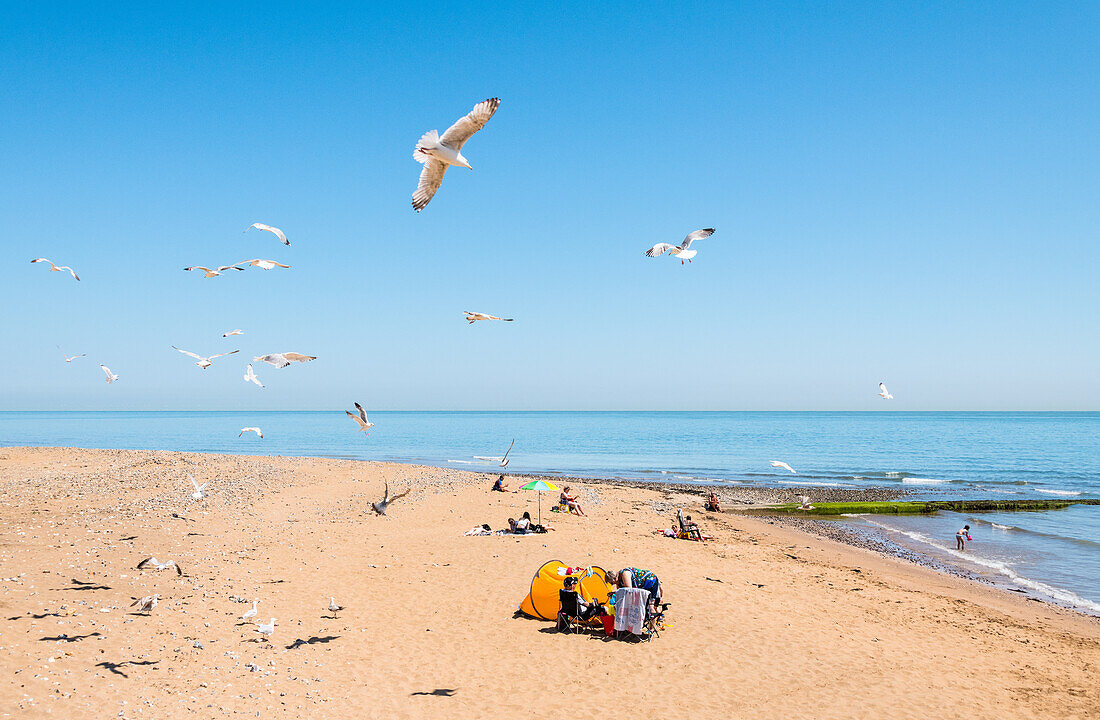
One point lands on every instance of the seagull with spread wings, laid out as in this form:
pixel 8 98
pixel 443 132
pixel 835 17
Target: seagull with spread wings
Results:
pixel 250 376
pixel 233 332
pixel 682 250
pixel 57 268
pixel 213 272
pixel 204 362
pixel 273 230
pixel 472 317
pixel 199 489
pixel 281 360
pixel 785 466
pixel 883 392
pixel 360 419
pixel 504 460
pixel 263 264
pixel 151 563
pixel 252 429
pixel 67 358
pixel 439 153
pixel 380 507
pixel 111 377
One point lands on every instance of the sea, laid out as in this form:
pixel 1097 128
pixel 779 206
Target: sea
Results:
pixel 1054 554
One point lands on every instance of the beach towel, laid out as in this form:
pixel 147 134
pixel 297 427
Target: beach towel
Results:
pixel 630 609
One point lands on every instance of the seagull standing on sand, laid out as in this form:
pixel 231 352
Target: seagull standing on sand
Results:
pixel 69 359
pixel 333 607
pixel 472 317
pixel 682 250
pixel 439 153
pixel 281 360
pixel 198 494
pixel 883 392
pixel 273 230
pixel 504 460
pixel 266 630
pixel 233 332
pixel 249 614
pixel 57 268
pixel 250 376
pixel 145 604
pixel 380 507
pixel 263 264
pixel 779 464
pixel 251 429
pixel 213 272
pixel 360 419
pixel 111 377
pixel 154 564
pixel 204 362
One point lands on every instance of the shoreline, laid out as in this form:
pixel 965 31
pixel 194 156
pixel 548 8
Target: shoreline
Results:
pixel 428 628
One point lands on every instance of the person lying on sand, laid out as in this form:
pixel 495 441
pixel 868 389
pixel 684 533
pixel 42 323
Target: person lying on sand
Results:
pixel 571 501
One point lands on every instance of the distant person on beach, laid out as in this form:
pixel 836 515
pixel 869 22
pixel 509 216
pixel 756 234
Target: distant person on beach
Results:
pixel 961 537
pixel 571 501
pixel 712 503
pixel 498 486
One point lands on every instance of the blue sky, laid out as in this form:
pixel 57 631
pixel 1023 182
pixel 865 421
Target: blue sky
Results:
pixel 902 191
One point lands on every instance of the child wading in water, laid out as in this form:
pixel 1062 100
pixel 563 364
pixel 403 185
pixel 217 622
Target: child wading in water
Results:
pixel 961 537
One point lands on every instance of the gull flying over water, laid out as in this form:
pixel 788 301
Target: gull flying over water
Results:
pixel 504 460
pixel 250 376
pixel 145 604
pixel 111 377
pixel 472 317
pixel 263 264
pixel 360 419
pixel 252 429
pixel 281 360
pixel 266 630
pixel 380 507
pixel 69 359
pixel 233 332
pixel 883 392
pixel 57 268
pixel 208 272
pixel 682 250
pixel 198 494
pixel 204 362
pixel 781 464
pixel 154 564
pixel 439 153
pixel 271 229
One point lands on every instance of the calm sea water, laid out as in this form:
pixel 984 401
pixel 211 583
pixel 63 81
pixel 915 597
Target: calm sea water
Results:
pixel 960 455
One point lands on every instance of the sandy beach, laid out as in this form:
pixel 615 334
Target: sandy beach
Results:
pixel 766 621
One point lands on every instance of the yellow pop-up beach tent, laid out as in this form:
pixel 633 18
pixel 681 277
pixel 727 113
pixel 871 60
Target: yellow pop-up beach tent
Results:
pixel 543 601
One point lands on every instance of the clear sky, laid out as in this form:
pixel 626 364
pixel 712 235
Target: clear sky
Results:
pixel 902 191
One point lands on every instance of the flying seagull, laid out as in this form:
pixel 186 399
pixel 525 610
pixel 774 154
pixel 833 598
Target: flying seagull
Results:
pixel 273 230
pixel 154 564
pixel 69 359
pixel 780 464
pixel 252 429
pixel 263 264
pixel 333 607
pixel 111 377
pixel 204 362
pixel 207 272
pixel 682 250
pixel 250 376
pixel 145 604
pixel 233 332
pixel 267 629
pixel 380 507
pixel 57 268
pixel 198 494
pixel 504 460
pixel 360 419
pixel 281 360
pixel 472 317
pixel 438 153
pixel 249 614
pixel 883 392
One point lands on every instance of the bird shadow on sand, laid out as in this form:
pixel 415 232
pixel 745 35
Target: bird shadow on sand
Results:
pixel 81 585
pixel 114 667
pixel 36 617
pixel 438 692
pixel 311 641
pixel 67 638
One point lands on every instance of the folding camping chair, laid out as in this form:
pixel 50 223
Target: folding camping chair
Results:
pixel 688 531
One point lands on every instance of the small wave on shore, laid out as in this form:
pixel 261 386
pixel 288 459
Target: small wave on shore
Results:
pixel 922 481
pixel 1063 493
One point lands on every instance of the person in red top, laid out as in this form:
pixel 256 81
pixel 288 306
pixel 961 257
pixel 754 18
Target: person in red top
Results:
pixel 574 506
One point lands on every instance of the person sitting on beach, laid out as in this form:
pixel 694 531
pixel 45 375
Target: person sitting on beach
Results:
pixel 571 501
pixel 498 486
pixel 961 537
pixel 573 605
pixel 638 578
pixel 712 503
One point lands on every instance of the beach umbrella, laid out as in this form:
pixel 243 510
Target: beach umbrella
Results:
pixel 539 486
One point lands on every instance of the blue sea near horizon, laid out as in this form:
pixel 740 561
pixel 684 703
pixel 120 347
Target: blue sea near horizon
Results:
pixel 971 455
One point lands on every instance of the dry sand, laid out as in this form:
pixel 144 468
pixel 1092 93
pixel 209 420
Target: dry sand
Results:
pixel 767 622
